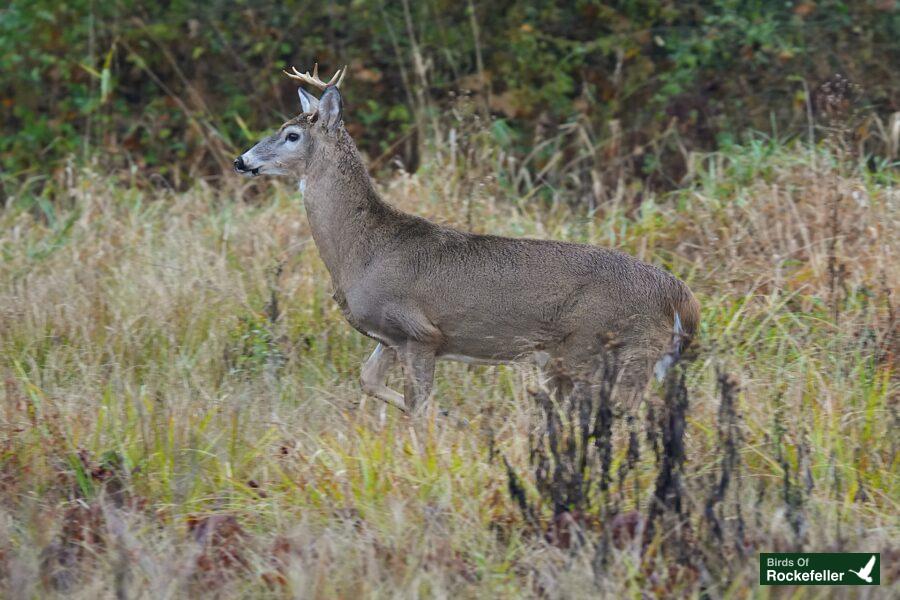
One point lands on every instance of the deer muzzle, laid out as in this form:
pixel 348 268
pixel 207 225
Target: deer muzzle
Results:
pixel 241 167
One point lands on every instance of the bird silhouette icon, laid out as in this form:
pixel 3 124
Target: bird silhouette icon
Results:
pixel 864 573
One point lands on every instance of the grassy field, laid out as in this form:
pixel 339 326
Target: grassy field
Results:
pixel 181 413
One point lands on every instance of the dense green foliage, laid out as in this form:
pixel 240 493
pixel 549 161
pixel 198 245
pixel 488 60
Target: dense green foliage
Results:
pixel 179 86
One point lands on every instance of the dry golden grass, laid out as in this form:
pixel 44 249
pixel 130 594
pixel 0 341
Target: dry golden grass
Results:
pixel 180 414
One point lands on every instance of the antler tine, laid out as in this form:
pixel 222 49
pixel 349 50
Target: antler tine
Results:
pixel 314 78
pixel 341 80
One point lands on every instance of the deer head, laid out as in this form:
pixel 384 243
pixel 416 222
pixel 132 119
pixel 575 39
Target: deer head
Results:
pixel 289 150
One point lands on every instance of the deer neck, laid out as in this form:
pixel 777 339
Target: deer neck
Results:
pixel 346 215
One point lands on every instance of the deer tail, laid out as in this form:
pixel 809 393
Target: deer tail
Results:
pixel 685 320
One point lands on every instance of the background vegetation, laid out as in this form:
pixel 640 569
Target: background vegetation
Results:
pixel 178 88
pixel 179 412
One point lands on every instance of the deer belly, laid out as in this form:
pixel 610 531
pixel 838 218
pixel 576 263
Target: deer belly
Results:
pixel 472 360
pixel 487 349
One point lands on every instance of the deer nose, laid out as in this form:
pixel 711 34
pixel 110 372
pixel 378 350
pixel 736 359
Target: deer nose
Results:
pixel 239 164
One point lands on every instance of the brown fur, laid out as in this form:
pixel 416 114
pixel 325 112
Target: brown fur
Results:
pixel 426 291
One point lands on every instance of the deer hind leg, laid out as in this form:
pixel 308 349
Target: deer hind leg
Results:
pixel 558 377
pixel 417 360
pixel 375 371
pixel 633 379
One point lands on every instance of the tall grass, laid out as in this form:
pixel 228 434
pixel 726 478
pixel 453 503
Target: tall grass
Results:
pixel 180 412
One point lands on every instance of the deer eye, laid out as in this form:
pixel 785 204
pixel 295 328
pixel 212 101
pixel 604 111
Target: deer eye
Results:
pixel 292 137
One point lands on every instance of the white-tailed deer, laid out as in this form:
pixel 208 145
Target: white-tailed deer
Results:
pixel 427 292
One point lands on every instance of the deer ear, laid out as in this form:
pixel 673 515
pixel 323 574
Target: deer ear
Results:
pixel 330 108
pixel 308 102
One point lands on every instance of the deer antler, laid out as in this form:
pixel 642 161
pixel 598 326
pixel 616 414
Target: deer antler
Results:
pixel 314 80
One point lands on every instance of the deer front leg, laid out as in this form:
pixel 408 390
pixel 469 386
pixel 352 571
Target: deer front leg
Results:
pixel 418 370
pixel 375 371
